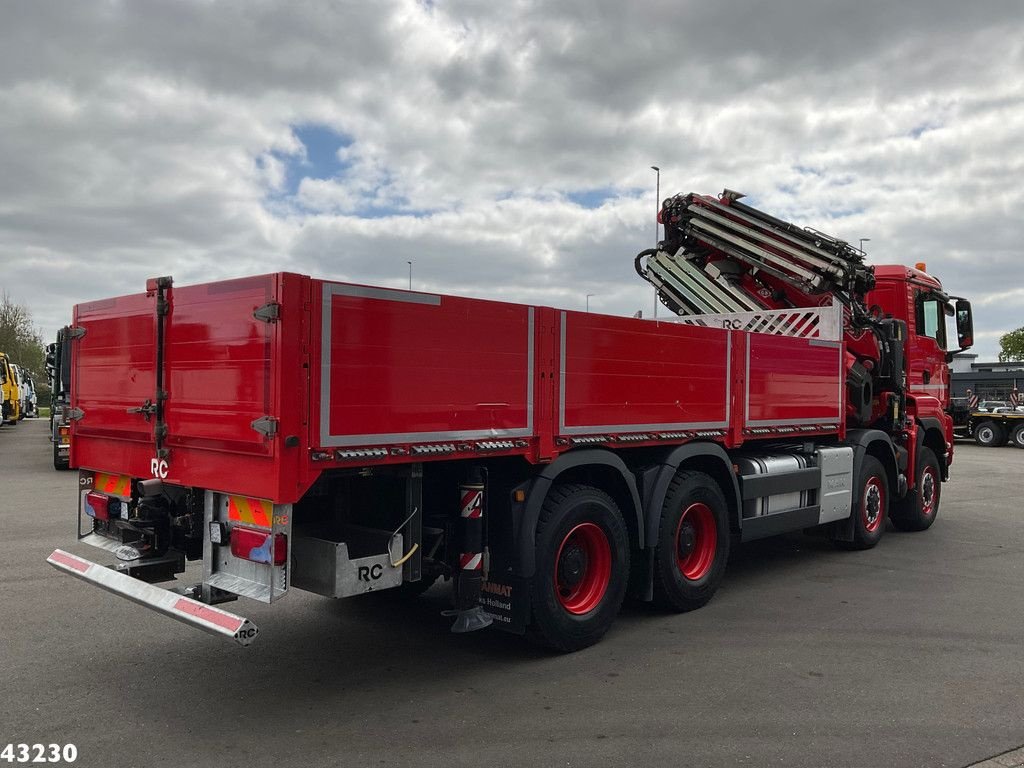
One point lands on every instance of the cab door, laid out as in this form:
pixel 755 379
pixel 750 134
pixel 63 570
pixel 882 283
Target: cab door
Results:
pixel 927 370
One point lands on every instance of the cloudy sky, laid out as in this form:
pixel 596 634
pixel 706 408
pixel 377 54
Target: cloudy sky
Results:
pixel 503 148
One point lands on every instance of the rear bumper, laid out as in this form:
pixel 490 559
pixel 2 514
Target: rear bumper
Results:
pixel 184 609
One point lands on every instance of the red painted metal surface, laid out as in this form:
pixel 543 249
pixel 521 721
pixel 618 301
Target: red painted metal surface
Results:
pixel 355 375
pixel 793 381
pixel 404 367
pixel 622 375
pixel 223 369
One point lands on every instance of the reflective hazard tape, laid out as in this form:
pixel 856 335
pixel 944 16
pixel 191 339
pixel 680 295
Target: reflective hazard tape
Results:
pixel 258 512
pixel 118 485
pixel 227 621
pixel 69 561
pixel 471 561
pixel 472 503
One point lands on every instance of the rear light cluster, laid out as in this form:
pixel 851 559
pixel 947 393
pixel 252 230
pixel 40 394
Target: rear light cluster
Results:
pixel 258 546
pixel 64 435
pixel 101 506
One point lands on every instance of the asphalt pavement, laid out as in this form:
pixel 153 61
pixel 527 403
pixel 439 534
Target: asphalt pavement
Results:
pixel 906 655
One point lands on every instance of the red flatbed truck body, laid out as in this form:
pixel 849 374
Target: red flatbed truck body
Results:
pixel 357 375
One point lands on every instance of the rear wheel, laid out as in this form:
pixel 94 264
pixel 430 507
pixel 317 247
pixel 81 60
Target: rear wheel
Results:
pixel 871 505
pixel 59 462
pixel 918 510
pixel 1018 436
pixel 582 567
pixel 989 434
pixel 693 542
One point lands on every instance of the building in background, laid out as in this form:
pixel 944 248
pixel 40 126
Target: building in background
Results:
pixel 987 381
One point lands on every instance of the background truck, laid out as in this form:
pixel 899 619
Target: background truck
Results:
pixel 10 394
pixel 285 432
pixel 996 428
pixel 58 372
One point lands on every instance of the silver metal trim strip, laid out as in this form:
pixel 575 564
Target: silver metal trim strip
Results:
pixel 530 372
pixel 683 425
pixel 824 343
pixel 384 294
pixel 746 380
pixel 728 377
pixel 327 440
pixel 561 377
pixel 337 441
pixel 827 420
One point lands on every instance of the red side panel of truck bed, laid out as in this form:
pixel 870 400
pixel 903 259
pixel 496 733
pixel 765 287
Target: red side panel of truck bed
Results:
pixel 624 375
pixel 350 375
pixel 401 367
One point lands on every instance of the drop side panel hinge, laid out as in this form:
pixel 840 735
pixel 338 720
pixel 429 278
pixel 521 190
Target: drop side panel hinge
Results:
pixel 74 414
pixel 266 425
pixel 75 332
pixel 268 313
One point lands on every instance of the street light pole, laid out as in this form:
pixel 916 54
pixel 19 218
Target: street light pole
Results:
pixel 657 210
pixel 410 274
pixel 588 300
pixel 864 240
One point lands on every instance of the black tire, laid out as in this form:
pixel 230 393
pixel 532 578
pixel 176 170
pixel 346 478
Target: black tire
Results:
pixel 59 462
pixel 693 542
pixel 988 434
pixel 1018 436
pixel 917 511
pixel 870 505
pixel 582 568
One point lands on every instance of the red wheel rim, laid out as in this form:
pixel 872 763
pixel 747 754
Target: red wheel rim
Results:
pixel 583 568
pixel 696 541
pixel 929 490
pixel 873 504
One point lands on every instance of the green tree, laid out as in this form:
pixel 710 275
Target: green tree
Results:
pixel 20 339
pixel 1011 346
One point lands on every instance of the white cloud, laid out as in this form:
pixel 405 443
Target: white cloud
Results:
pixel 152 138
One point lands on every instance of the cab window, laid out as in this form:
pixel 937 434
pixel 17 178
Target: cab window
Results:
pixel 931 318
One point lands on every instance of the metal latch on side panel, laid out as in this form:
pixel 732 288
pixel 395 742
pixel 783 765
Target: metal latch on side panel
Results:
pixel 266 425
pixel 268 313
pixel 74 414
pixel 75 332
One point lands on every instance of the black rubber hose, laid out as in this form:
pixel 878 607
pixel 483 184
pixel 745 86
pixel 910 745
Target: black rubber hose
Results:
pixel 636 261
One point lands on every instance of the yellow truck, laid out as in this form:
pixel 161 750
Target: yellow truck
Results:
pixel 9 392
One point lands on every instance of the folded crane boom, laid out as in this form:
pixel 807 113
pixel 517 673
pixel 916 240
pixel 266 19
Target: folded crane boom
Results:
pixel 720 256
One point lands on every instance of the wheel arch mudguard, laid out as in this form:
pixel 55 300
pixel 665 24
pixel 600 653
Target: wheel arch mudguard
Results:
pixel 932 436
pixel 874 442
pixel 871 442
pixel 710 458
pixel 616 479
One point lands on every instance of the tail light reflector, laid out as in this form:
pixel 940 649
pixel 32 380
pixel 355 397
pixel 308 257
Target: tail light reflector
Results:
pixel 97 505
pixel 259 546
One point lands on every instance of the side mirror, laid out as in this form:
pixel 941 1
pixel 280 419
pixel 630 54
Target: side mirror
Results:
pixel 964 324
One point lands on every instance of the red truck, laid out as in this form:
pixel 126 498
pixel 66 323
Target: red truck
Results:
pixel 288 432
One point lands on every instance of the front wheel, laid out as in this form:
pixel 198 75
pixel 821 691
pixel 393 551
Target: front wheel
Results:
pixel 582 567
pixel 870 505
pixel 693 542
pixel 918 510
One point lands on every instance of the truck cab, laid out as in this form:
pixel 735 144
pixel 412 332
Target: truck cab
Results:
pixel 912 296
